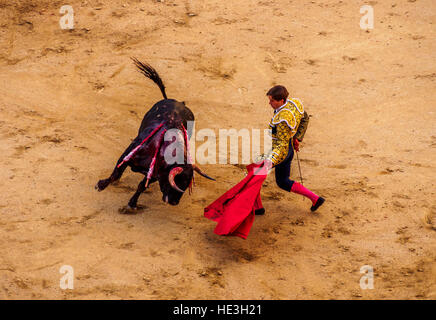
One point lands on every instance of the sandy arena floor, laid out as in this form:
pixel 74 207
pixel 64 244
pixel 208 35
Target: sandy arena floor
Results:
pixel 71 101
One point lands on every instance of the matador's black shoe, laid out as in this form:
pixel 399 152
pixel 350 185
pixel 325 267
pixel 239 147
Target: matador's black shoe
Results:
pixel 259 212
pixel 318 204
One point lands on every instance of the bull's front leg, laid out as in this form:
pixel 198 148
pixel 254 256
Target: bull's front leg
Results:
pixel 116 175
pixel 117 172
pixel 134 200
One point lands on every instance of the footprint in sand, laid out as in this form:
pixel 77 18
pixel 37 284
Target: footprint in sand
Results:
pixel 273 196
pixel 430 219
pixel 400 196
pixel 55 139
pixel 338 166
pixel 310 162
pixel 398 204
pixel 127 246
pixel 390 171
pixel 430 76
pixel 214 275
pixel 433 142
pixel 216 68
pixel 20 150
pixel 349 59
pixel 278 65
pixel 128 210
pixel 311 62
pixel 45 201
pixel 327 231
pixel 403 238
pixel 244 256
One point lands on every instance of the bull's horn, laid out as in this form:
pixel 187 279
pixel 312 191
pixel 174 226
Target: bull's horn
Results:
pixel 173 173
pixel 197 169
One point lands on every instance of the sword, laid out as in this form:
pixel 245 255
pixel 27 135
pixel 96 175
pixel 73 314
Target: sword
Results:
pixel 299 168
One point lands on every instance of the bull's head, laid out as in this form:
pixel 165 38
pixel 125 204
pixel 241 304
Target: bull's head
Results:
pixel 175 180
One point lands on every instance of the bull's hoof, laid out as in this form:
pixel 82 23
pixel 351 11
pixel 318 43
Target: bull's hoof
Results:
pixel 132 204
pixel 102 184
pixel 129 207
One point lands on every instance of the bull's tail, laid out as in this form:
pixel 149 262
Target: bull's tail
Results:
pixel 150 73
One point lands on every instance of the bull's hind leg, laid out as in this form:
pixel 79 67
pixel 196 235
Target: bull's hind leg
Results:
pixel 134 200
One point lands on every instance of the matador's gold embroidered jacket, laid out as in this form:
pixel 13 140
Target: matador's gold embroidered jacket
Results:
pixel 289 121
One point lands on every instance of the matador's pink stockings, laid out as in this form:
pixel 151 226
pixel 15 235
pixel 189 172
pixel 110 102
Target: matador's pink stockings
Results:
pixel 300 189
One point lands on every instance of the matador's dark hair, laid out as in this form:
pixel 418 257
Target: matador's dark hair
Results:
pixel 278 93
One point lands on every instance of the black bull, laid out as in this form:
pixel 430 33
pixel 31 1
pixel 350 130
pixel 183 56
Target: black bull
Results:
pixel 174 178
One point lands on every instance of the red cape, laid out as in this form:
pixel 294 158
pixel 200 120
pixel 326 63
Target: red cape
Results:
pixel 234 210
